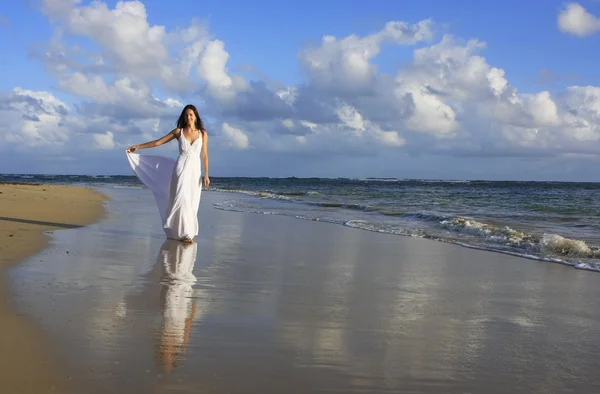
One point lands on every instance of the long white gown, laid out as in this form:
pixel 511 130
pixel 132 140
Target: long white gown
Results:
pixel 176 185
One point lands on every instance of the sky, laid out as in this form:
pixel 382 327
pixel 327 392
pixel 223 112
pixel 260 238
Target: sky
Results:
pixel 422 89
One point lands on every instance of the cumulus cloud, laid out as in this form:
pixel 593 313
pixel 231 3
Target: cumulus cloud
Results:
pixel 575 20
pixel 212 69
pixel 95 88
pixel 350 118
pixel 582 114
pixel 131 84
pixel 105 141
pixel 236 137
pixel 543 109
pixel 390 138
pixel 343 65
pixel 128 43
pixel 123 32
pixel 33 119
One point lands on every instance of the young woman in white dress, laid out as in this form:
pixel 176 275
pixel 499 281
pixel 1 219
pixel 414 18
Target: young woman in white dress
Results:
pixel 176 185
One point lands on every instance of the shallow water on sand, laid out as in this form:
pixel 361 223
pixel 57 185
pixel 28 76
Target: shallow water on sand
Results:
pixel 272 304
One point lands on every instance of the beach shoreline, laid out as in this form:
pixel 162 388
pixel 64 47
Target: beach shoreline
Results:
pixel 27 213
pixel 298 306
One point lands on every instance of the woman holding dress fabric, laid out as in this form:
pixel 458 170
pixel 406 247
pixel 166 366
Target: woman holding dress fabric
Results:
pixel 176 185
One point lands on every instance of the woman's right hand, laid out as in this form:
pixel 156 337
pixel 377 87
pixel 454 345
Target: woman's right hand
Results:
pixel 132 149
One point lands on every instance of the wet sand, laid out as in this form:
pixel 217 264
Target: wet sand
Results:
pixel 264 303
pixel 26 212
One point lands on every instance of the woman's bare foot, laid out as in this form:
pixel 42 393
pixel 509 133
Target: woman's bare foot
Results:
pixel 187 241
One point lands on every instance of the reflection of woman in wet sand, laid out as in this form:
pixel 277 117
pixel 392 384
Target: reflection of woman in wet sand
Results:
pixel 178 306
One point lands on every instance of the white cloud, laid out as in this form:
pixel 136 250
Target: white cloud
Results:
pixel 105 141
pixel 127 41
pixel 39 120
pixel 289 95
pixel 123 93
pixel 522 136
pixel 585 101
pixel 33 119
pixel 446 100
pixel 288 123
pixel 498 83
pixel 236 137
pixel 543 109
pixel 308 125
pixel 458 95
pixel 390 138
pixel 212 69
pixel 350 118
pixel 140 54
pixel 576 20
pixel 343 64
pixel 174 103
pixel 582 114
pixel 95 88
pixel 453 69
pixel 123 32
pixel 431 114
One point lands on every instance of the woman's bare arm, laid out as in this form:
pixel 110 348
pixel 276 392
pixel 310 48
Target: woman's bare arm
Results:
pixel 205 158
pixel 153 144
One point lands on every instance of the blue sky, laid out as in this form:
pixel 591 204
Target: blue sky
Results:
pixel 401 91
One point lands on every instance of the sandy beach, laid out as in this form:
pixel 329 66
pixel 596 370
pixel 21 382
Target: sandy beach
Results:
pixel 264 303
pixel 26 212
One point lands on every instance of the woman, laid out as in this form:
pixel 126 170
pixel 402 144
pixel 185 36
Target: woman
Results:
pixel 176 184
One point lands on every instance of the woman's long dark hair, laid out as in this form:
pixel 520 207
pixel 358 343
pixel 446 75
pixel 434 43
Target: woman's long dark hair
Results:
pixel 182 122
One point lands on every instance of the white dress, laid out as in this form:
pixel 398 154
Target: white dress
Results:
pixel 176 186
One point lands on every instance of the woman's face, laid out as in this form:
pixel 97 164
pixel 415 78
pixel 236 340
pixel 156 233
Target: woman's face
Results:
pixel 190 117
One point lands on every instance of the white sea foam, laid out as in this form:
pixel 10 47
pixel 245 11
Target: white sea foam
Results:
pixel 502 235
pixel 556 244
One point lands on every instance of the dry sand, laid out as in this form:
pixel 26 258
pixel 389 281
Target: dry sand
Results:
pixel 26 212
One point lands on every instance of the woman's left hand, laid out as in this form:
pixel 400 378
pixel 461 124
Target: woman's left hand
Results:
pixel 206 181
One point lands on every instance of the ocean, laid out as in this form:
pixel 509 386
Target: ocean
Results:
pixel 555 222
